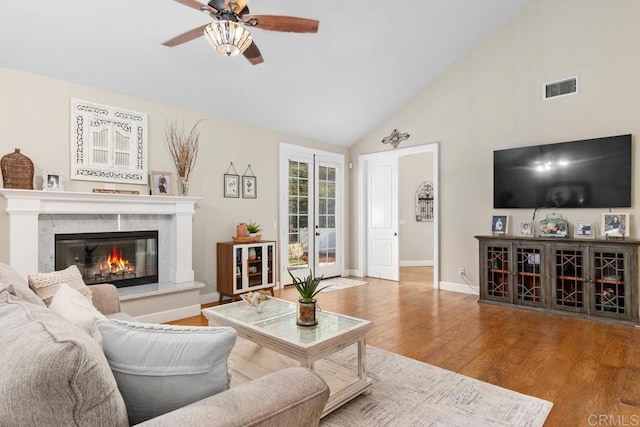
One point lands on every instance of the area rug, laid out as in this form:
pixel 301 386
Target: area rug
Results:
pixel 339 283
pixel 407 392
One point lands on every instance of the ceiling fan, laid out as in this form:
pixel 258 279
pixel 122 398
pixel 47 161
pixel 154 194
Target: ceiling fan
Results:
pixel 228 33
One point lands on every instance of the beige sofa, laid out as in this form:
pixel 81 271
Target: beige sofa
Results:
pixel 53 373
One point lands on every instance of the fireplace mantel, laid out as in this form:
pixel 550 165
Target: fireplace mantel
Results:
pixel 23 207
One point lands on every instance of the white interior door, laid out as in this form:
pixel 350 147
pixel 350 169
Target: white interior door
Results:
pixel 311 213
pixel 382 218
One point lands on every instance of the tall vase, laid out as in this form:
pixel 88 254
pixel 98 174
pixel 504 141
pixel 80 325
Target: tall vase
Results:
pixel 307 313
pixel 183 186
pixel 241 230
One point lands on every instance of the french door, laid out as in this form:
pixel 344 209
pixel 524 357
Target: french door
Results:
pixel 311 219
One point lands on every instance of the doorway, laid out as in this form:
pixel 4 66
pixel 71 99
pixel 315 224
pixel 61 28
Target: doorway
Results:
pixel 311 212
pixel 378 245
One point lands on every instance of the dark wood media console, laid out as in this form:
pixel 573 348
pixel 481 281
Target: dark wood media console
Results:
pixel 590 278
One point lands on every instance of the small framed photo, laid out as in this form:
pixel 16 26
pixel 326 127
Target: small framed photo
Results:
pixel 162 183
pixel 615 224
pixel 51 181
pixel 583 230
pixel 526 228
pixel 499 224
pixel 231 185
pixel 249 190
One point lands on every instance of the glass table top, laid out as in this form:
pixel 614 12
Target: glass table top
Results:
pixel 278 317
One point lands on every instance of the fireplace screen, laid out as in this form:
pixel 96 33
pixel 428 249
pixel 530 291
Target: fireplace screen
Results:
pixel 123 258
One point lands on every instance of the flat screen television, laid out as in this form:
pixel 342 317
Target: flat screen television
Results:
pixel 591 173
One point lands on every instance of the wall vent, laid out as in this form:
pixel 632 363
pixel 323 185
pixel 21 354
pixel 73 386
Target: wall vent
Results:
pixel 561 87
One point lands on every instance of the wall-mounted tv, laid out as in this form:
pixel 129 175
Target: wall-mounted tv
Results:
pixel 591 173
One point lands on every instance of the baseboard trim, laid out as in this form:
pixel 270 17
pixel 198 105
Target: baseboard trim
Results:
pixel 416 263
pixel 354 273
pixel 209 298
pixel 170 315
pixel 458 287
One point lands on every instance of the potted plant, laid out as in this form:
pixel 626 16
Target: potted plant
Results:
pixel 308 289
pixel 253 228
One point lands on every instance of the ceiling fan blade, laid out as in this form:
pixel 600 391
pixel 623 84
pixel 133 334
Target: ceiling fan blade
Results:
pixel 197 5
pixel 253 54
pixel 289 24
pixel 185 37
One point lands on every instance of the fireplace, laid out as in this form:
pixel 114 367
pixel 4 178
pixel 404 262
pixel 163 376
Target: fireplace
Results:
pixel 123 258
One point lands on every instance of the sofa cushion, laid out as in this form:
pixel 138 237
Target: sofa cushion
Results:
pixel 9 276
pixel 160 368
pixel 52 373
pixel 72 306
pixel 46 284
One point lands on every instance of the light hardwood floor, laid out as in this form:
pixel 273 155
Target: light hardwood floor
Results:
pixel 589 370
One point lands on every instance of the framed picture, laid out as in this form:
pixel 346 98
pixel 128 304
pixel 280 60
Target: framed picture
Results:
pixel 526 228
pixel 162 183
pixel 249 190
pixel 615 224
pixel 231 185
pixel 583 230
pixel 51 181
pixel 499 224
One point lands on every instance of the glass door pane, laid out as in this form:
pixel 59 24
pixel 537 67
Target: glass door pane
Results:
pixel 326 223
pixel 298 234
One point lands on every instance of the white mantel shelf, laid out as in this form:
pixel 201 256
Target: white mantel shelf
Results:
pixel 68 202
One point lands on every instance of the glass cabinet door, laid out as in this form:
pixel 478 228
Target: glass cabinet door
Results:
pixel 610 293
pixel 529 265
pixel 568 279
pixel 497 272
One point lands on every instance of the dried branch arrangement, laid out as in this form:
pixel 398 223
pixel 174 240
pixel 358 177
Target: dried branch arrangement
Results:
pixel 183 148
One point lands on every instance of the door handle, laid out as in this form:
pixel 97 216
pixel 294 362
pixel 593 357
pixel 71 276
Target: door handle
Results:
pixel 395 233
pixel 317 233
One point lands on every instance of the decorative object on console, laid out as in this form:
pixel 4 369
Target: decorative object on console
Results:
pixel 231 182
pixel 526 228
pixel 162 183
pixel 615 225
pixel 252 254
pixel 253 228
pixel 108 143
pixel 17 171
pixel 184 151
pixel 110 191
pixel 242 230
pixel 307 307
pixel 583 230
pixel 553 226
pixel 499 224
pixel 51 181
pixel 249 185
pixel 395 138
pixel 424 202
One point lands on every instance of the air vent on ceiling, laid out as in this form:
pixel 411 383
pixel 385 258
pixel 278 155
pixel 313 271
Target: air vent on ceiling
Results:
pixel 561 87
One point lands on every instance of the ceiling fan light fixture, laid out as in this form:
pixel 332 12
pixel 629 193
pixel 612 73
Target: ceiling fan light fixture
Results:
pixel 228 38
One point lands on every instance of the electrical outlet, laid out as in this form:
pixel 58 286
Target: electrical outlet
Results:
pixel 461 271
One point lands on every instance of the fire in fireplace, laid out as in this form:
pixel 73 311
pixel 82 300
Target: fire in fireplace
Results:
pixel 124 258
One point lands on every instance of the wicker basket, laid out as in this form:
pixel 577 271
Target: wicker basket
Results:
pixel 254 239
pixel 17 171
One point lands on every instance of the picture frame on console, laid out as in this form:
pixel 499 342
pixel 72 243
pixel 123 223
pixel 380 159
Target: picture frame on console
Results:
pixel 526 228
pixel 499 224
pixel 584 230
pixel 615 224
pixel 162 183
pixel 51 181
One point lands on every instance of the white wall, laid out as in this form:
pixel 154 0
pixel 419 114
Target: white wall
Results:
pixel 492 99
pixel 34 116
pixel 415 237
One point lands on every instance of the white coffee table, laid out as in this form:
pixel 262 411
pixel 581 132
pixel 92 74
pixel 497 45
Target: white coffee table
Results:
pixel 277 342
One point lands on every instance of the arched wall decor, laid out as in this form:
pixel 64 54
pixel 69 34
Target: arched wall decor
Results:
pixel 424 202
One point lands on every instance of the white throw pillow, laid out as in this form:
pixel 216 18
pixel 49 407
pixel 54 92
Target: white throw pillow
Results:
pixel 75 308
pixel 46 284
pixel 160 368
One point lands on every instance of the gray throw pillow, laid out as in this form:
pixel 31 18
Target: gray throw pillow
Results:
pixel 160 368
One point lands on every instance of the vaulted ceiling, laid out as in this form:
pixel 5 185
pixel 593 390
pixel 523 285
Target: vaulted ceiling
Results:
pixel 368 58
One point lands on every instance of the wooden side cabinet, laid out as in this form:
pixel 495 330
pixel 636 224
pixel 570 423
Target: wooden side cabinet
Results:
pixel 245 267
pixel 590 278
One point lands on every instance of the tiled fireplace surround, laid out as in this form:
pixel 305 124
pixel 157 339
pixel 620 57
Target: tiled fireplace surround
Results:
pixel 32 218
